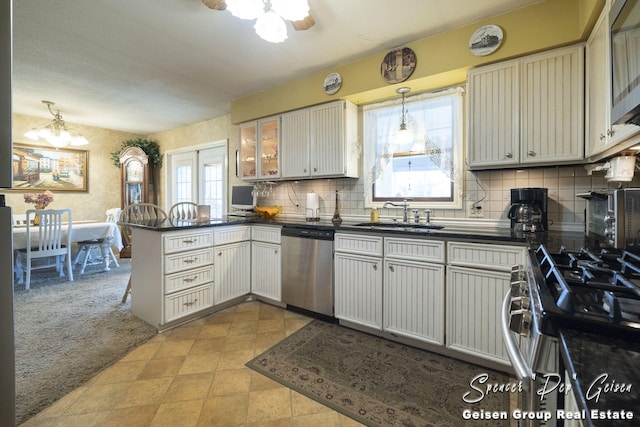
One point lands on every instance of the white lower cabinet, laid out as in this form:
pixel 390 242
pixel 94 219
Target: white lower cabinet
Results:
pixel 266 268
pixel 478 277
pixel 174 276
pixel 232 253
pixel 358 279
pixel 414 289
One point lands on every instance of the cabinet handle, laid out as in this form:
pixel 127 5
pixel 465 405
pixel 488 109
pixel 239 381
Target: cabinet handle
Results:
pixel 191 302
pixel 391 269
pixel 531 153
pixel 610 132
pixel 190 279
pixel 305 170
pixel 375 266
pixel 315 169
pixel 602 136
pixel 275 250
pixel 190 261
pixel 509 155
pixel 220 253
pixel 189 241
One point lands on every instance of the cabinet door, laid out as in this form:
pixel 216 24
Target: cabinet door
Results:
pixel 553 106
pixel 232 271
pixel 358 289
pixel 474 300
pixel 327 139
pixel 295 144
pixel 266 278
pixel 248 150
pixel 414 300
pixel 598 92
pixel 269 148
pixel 493 115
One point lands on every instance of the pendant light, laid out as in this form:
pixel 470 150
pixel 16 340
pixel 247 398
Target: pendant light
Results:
pixel 404 135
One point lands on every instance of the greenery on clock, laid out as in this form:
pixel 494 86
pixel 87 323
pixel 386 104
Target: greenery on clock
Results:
pixel 150 148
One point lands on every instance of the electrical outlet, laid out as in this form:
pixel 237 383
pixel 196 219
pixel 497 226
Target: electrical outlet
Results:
pixel 474 211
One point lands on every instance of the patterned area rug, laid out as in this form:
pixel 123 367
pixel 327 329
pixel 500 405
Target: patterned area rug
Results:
pixel 375 381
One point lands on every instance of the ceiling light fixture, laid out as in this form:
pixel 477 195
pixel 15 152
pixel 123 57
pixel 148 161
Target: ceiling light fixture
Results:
pixel 56 132
pixel 270 15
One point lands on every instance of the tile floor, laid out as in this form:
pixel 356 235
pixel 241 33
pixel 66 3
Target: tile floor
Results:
pixel 194 375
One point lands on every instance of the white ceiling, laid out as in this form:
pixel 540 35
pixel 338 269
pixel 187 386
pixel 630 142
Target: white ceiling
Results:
pixel 146 66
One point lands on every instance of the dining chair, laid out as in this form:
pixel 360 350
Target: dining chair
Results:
pixel 139 213
pixel 49 238
pixel 184 211
pixel 86 247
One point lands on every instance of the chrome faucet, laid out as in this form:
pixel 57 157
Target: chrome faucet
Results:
pixel 405 207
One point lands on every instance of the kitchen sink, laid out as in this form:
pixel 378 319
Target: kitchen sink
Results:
pixel 398 225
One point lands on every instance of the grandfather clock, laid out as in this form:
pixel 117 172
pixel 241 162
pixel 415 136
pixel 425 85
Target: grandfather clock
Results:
pixel 137 177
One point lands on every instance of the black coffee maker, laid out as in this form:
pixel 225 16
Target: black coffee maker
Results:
pixel 528 210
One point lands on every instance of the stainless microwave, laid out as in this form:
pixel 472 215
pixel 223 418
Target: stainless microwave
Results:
pixel 613 218
pixel 624 18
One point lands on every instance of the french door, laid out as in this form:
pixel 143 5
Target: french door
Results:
pixel 199 176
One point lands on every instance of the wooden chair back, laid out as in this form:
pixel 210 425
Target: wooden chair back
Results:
pixel 184 211
pixel 138 213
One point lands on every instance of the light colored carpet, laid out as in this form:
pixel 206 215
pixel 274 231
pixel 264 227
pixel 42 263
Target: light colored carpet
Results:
pixel 66 332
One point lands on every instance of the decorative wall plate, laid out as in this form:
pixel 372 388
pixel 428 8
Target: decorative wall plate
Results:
pixel 332 83
pixel 485 40
pixel 398 65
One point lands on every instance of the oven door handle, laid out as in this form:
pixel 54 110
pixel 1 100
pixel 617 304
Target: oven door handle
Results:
pixel 523 372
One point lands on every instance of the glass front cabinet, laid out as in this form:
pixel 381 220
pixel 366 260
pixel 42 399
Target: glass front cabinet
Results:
pixel 259 149
pixel 135 177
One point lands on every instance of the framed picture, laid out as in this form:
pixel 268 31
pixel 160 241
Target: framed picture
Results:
pixel 38 167
pixel 398 65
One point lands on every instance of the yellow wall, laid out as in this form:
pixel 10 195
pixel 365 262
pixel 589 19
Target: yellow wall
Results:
pixel 103 177
pixel 442 59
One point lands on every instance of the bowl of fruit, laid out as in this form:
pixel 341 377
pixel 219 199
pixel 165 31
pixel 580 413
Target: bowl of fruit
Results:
pixel 268 212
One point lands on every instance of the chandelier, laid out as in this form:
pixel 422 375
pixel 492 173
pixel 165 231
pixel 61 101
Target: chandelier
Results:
pixel 56 132
pixel 269 15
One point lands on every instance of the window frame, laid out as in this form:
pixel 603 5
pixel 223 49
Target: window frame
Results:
pixel 371 157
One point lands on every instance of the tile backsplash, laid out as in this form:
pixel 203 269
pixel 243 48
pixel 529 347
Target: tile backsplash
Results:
pixel 493 187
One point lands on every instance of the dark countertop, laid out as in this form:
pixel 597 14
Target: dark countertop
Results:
pixel 552 239
pixel 599 361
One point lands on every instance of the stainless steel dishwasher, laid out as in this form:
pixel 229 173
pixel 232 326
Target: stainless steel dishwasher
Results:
pixel 307 269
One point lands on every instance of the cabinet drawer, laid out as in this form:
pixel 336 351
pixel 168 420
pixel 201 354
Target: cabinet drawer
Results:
pixel 223 235
pixel 358 244
pixel 414 249
pixel 187 302
pixel 187 260
pixel 265 234
pixel 188 279
pixel 485 256
pixel 178 242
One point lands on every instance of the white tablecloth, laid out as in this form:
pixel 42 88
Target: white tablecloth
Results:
pixel 79 232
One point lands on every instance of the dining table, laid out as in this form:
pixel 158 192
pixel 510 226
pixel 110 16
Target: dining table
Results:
pixel 106 235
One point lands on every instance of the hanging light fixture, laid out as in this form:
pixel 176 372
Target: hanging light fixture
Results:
pixel 404 135
pixel 56 132
pixel 270 15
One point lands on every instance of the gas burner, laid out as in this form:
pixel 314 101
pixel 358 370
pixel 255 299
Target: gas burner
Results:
pixel 602 287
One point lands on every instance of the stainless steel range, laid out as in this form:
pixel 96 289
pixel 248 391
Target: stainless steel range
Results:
pixel 592 291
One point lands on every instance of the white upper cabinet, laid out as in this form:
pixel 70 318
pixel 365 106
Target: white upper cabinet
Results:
pixel 334 139
pixel 601 134
pixel 320 141
pixel 295 144
pixel 493 115
pixel 260 149
pixel 528 111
